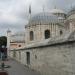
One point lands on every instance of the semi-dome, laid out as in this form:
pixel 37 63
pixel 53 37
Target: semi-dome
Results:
pixel 57 11
pixel 43 18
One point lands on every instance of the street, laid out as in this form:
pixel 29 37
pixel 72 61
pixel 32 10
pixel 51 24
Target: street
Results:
pixel 18 69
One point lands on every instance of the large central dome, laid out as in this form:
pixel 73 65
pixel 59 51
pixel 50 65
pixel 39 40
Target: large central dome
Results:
pixel 43 18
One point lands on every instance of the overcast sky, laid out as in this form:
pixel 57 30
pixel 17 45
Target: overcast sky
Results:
pixel 14 13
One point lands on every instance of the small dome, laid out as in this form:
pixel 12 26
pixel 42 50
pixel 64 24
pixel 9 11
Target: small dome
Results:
pixel 57 11
pixel 43 18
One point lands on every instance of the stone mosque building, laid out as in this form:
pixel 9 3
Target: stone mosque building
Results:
pixel 48 44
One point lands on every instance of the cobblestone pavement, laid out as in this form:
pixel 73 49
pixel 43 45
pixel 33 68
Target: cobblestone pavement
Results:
pixel 19 69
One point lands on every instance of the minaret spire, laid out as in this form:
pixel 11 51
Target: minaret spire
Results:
pixel 8 41
pixel 29 11
pixel 71 6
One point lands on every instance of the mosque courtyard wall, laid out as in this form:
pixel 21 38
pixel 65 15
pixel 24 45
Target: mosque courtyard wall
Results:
pixel 57 59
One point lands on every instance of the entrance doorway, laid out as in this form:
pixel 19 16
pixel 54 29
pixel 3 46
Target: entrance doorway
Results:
pixel 28 58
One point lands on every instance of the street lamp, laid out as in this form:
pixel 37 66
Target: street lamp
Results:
pixel 2 52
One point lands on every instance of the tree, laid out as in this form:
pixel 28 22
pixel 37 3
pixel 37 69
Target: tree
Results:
pixel 3 41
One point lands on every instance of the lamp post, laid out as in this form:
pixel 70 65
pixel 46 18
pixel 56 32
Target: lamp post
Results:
pixel 2 57
pixel 3 52
pixel 2 66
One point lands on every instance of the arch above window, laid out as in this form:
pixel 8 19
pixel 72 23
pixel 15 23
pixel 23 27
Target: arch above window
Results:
pixel 31 35
pixel 47 34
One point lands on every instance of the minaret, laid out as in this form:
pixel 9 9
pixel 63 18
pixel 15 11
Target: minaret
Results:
pixel 8 41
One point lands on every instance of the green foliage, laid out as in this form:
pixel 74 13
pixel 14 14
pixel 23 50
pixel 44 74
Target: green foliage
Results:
pixel 3 41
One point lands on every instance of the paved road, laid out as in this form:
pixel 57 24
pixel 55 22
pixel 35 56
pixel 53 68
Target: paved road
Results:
pixel 19 69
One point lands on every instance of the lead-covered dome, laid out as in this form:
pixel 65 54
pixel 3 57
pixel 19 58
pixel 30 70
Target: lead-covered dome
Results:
pixel 43 18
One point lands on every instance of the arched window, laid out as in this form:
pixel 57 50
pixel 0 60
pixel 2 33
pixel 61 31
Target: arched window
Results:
pixel 31 35
pixel 47 34
pixel 61 32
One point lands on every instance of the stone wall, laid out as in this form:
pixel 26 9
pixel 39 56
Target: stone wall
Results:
pixel 57 59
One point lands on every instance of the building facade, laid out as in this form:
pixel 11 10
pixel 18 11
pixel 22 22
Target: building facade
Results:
pixel 16 40
pixel 49 43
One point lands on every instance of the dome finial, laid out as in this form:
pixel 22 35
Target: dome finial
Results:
pixel 55 7
pixel 71 6
pixel 43 8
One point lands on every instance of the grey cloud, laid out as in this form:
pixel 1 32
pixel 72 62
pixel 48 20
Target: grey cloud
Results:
pixel 64 4
pixel 14 13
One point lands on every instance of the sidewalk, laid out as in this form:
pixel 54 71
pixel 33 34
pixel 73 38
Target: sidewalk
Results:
pixel 18 69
